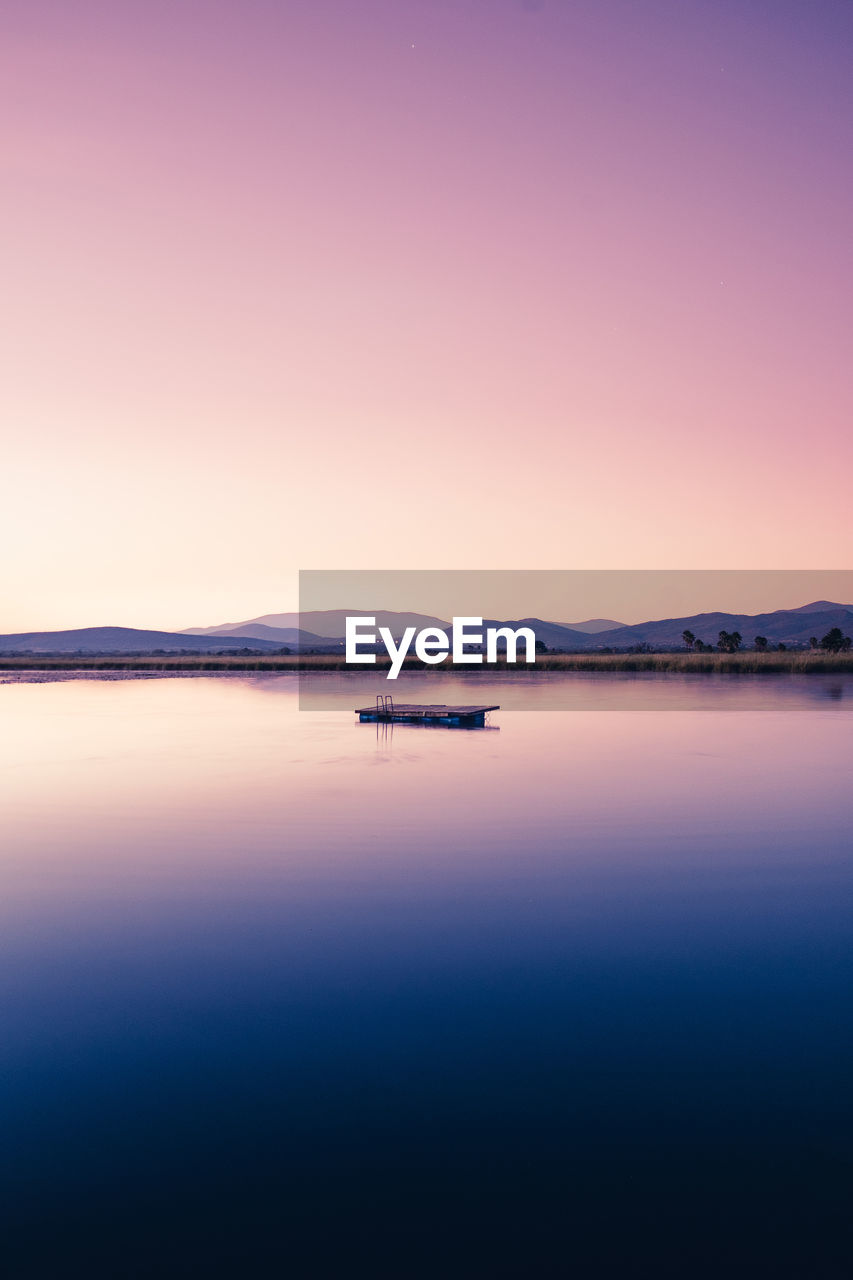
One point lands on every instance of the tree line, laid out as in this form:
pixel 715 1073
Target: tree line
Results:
pixel 730 641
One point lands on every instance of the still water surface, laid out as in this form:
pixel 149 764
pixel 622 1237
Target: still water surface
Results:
pixel 285 994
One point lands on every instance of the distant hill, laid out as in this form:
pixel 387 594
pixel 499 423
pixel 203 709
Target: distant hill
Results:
pixel 819 606
pixel 125 640
pixel 552 634
pixel 593 626
pixel 788 626
pixel 320 623
pixel 290 636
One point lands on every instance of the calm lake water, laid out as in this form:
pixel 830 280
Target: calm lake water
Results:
pixel 288 995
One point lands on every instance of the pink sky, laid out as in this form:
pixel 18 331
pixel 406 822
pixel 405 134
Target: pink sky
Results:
pixel 416 284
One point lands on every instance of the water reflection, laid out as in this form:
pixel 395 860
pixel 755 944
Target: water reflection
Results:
pixel 577 989
pixel 576 690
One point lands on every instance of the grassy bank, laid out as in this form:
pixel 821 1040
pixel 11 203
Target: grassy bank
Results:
pixel 749 663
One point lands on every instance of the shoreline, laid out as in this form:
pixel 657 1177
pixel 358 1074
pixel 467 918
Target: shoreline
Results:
pixel 750 663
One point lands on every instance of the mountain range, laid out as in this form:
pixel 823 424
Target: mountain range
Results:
pixel 89 640
pixel 325 628
pixel 328 624
pixel 788 626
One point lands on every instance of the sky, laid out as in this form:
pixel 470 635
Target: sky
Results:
pixel 416 284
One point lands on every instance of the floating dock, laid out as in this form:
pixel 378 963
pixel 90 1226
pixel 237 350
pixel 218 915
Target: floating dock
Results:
pixel 386 711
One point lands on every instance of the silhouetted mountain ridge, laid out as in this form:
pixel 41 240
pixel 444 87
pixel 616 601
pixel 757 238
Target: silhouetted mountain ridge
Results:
pixel 788 626
pixel 593 626
pixel 105 640
pixel 328 624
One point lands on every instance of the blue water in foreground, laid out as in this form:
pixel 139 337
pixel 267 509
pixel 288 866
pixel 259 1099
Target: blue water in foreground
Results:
pixel 288 995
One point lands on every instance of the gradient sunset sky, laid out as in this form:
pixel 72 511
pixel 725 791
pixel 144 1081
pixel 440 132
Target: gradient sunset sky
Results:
pixel 417 284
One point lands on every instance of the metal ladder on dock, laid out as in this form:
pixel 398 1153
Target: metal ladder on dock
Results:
pixel 384 705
